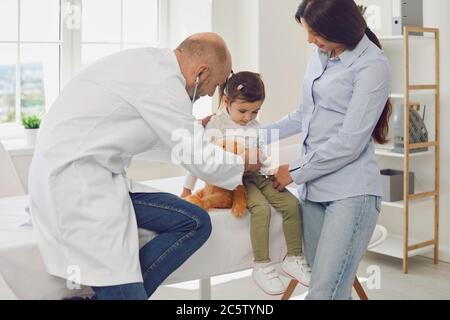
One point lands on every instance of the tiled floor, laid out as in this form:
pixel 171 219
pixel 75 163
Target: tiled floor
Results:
pixel 424 281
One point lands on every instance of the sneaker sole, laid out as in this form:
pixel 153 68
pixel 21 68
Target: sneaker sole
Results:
pixel 268 293
pixel 294 278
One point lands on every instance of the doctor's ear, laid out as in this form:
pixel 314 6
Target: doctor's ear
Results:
pixel 199 75
pixel 201 70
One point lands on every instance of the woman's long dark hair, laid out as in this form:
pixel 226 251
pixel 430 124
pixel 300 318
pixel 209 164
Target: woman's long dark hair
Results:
pixel 341 21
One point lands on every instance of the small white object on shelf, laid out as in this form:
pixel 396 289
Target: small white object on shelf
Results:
pixel 378 237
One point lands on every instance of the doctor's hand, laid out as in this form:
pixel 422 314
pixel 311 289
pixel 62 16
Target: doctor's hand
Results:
pixel 186 192
pixel 252 158
pixel 282 178
pixel 206 120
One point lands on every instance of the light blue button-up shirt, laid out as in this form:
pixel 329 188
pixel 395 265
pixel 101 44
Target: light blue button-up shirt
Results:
pixel 343 99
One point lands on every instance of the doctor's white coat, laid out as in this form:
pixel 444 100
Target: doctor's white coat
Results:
pixel 82 214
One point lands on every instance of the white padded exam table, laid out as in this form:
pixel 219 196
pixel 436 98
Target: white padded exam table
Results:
pixel 227 250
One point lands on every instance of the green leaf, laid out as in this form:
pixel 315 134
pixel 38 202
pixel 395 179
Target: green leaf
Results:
pixel 31 121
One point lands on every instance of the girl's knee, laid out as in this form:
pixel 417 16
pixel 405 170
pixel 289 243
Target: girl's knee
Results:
pixel 260 210
pixel 291 207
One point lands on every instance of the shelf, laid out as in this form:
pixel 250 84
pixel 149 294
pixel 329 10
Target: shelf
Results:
pixel 390 153
pixel 393 247
pixel 401 37
pixel 398 48
pixel 413 94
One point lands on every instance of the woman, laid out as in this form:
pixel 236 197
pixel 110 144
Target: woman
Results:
pixel 345 109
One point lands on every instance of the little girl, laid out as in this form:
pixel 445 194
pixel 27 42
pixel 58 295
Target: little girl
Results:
pixel 241 99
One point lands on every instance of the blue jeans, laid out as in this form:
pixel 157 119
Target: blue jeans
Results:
pixel 336 236
pixel 182 229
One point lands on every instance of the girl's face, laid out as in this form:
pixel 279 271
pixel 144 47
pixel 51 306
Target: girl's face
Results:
pixel 242 112
pixel 323 44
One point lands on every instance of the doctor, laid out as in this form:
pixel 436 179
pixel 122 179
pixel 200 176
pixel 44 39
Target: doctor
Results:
pixel 85 212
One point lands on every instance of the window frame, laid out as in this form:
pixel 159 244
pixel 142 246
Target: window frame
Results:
pixel 70 44
pixel 19 42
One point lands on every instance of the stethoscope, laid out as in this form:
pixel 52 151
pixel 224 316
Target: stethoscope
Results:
pixel 197 82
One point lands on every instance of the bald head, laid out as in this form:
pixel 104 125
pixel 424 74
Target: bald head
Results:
pixel 205 62
pixel 207 47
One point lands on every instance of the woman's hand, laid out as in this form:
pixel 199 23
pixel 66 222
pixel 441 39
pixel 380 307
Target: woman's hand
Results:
pixel 282 178
pixel 206 120
pixel 186 192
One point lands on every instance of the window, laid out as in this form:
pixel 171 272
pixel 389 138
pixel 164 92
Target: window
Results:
pixel 29 56
pixel 44 43
pixel 127 24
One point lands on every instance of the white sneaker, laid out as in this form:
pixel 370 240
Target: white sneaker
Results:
pixel 297 268
pixel 268 280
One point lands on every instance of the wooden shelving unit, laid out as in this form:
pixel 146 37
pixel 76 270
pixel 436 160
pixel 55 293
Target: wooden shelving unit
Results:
pixel 405 246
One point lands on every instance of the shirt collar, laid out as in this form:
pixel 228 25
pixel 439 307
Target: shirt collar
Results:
pixel 223 112
pixel 348 57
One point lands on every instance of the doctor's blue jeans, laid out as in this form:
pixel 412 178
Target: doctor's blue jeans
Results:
pixel 336 237
pixel 182 229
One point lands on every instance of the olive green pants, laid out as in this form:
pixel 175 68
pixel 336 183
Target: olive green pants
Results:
pixel 261 195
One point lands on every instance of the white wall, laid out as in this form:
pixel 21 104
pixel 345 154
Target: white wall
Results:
pixel 283 56
pixel 237 22
pixel 186 17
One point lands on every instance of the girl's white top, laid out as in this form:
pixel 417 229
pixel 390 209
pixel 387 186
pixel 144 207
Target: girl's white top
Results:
pixel 221 127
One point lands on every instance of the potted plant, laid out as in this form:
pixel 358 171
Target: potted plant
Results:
pixel 31 124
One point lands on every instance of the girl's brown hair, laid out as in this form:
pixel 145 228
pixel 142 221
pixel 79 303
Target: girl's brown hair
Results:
pixel 245 85
pixel 341 21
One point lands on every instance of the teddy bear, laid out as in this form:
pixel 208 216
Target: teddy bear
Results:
pixel 215 197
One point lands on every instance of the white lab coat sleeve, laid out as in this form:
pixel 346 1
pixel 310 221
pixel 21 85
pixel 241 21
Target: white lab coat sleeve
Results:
pixel 190 181
pixel 168 111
